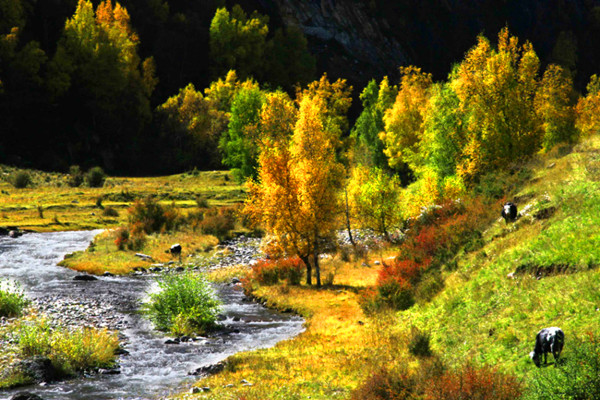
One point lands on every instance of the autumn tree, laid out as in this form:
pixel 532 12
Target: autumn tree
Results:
pixel 376 100
pixel 404 120
pixel 239 143
pixel 336 98
pixel 101 85
pixel 191 126
pixel 496 90
pixel 237 41
pixel 375 199
pixel 295 196
pixel 444 134
pixel 554 105
pixel 588 108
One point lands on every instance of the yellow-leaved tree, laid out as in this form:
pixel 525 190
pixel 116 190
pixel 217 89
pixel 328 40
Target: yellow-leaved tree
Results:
pixel 404 121
pixel 295 196
pixel 588 108
pixel 496 91
pixel 554 106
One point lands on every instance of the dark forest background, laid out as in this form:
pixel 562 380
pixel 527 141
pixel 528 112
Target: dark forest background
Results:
pixel 52 116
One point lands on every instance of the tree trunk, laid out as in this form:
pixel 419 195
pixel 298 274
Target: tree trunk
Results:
pixel 306 261
pixel 317 267
pixel 348 218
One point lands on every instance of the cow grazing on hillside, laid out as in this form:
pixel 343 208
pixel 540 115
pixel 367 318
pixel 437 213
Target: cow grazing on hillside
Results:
pixel 509 212
pixel 548 340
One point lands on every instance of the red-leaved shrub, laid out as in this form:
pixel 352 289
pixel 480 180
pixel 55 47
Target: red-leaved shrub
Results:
pixel 469 382
pixel 386 385
pixel 269 272
pixel 432 240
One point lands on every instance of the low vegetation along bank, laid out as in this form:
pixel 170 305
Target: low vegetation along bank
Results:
pixel 473 312
pixel 34 350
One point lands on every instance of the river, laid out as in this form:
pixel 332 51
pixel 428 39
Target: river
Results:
pixel 152 369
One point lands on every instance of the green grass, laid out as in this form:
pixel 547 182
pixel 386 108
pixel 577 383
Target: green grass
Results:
pixel 185 305
pixel 12 300
pixel 484 315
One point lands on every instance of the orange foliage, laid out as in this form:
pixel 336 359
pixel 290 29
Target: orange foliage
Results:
pixel 483 383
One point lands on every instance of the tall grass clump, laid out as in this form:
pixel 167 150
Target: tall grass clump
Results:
pixel 577 375
pixel 12 300
pixel 20 179
pixel 70 350
pixel 185 304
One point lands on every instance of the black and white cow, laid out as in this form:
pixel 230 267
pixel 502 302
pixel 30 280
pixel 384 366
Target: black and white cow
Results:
pixel 509 212
pixel 548 340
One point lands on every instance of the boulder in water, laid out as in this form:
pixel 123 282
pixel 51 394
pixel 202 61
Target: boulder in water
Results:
pixel 85 278
pixel 40 369
pixel 15 234
pixel 26 396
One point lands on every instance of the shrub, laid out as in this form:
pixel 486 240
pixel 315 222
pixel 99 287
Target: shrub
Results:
pixel 69 350
pixel 185 304
pixel 75 176
pixel 12 301
pixel 387 385
pixel 576 377
pixel 149 216
pixel 396 294
pixel 218 222
pixel 470 382
pixel 201 202
pixel 20 179
pixel 122 237
pixel 110 212
pixel 95 177
pixel 418 344
pixel 270 272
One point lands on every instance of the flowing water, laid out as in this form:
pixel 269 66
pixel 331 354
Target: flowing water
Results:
pixel 152 369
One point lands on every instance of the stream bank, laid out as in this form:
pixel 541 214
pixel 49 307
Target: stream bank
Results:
pixel 152 368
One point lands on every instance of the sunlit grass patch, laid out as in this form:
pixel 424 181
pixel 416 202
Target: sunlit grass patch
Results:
pixel 104 255
pixel 74 208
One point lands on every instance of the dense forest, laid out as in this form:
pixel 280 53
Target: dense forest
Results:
pixel 110 84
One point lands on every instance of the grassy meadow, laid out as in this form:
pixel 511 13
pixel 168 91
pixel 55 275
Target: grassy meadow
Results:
pixel 50 204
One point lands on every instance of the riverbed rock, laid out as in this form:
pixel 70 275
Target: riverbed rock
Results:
pixel 15 234
pixel 106 273
pixel 172 341
pixel 85 278
pixel 40 369
pixel 111 371
pixel 208 369
pixel 26 396
pixel 144 257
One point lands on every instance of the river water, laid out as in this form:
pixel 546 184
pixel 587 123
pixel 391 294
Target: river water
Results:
pixel 152 369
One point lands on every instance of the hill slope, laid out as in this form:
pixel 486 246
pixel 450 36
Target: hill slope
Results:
pixel 552 252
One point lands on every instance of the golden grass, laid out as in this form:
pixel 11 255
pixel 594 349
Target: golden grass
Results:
pixel 66 208
pixel 335 353
pixel 104 256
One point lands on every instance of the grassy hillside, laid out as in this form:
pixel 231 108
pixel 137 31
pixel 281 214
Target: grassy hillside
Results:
pixel 537 272
pixel 485 315
pixel 50 204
